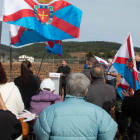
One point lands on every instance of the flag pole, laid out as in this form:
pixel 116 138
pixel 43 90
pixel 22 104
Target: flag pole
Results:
pixel 41 61
pixel 0 31
pixel 10 62
pixel 10 57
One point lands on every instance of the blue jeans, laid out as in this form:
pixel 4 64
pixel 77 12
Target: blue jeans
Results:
pixel 112 82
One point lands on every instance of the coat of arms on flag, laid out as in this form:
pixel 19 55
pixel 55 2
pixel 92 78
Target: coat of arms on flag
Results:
pixel 44 14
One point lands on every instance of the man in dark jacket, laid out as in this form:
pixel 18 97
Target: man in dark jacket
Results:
pixel 99 93
pixel 65 71
pixel 91 62
pixel 131 108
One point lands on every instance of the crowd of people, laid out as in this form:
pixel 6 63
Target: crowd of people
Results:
pixel 85 112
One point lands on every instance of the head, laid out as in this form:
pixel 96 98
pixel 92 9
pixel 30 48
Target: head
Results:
pixel 77 84
pixel 64 62
pixel 47 85
pixel 86 61
pixel 26 69
pixel 92 61
pixel 110 62
pixel 3 77
pixel 96 72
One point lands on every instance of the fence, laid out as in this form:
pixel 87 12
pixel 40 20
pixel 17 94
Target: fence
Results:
pixel 48 65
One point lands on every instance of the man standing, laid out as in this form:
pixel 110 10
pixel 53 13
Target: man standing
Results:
pixel 75 119
pixel 65 71
pixel 99 93
pixel 91 62
pixel 111 74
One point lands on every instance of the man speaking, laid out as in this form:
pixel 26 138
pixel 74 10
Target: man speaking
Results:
pixel 65 71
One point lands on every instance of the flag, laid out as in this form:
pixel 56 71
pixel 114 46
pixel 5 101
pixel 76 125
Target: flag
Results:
pixel 123 85
pixel 53 19
pixel 54 47
pixel 21 36
pixel 102 61
pixel 124 62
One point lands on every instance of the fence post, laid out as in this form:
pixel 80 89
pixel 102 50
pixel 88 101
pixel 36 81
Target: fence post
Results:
pixel 48 66
pixel 53 64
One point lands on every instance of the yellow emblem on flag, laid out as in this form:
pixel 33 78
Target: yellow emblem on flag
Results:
pixel 44 1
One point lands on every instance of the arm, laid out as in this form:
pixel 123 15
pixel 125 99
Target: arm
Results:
pixel 2 105
pixel 19 102
pixel 107 127
pixel 112 74
pixel 43 124
pixel 58 71
pixel 113 98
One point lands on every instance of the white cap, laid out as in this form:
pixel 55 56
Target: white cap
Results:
pixel 47 83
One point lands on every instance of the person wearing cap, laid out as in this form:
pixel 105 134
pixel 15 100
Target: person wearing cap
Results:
pixel 45 97
pixel 111 74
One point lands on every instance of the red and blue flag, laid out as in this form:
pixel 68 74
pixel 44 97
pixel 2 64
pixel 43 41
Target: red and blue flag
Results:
pixel 123 85
pixel 124 62
pixel 22 36
pixel 53 19
pixel 54 47
pixel 102 61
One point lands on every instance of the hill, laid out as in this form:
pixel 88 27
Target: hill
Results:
pixel 36 50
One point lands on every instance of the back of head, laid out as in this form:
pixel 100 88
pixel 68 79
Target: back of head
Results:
pixel 47 85
pixel 96 72
pixel 92 61
pixel 77 84
pixel 25 72
pixel 3 77
pixel 110 60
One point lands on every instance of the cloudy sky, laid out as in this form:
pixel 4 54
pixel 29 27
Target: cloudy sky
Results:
pixel 104 20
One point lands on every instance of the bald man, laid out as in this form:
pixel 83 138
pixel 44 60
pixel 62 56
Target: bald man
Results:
pixel 99 93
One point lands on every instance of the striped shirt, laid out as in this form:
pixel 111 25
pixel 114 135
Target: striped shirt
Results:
pixel 112 70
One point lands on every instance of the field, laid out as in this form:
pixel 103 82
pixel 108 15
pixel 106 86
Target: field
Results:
pixel 78 54
pixel 46 68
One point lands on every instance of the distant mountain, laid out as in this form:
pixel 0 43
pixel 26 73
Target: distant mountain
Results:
pixel 37 50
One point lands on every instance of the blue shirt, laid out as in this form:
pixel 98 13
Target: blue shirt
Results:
pixel 112 70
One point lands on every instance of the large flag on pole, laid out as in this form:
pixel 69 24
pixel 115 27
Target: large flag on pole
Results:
pixel 53 19
pixel 123 85
pixel 124 62
pixel 102 61
pixel 54 47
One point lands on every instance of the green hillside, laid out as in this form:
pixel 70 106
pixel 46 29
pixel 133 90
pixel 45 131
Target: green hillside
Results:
pixel 36 50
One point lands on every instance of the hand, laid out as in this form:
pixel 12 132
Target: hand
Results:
pixel 109 73
pixel 61 74
pixel 124 93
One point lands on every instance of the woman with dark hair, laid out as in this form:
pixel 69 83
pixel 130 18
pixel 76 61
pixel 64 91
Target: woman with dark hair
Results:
pixel 10 94
pixel 27 83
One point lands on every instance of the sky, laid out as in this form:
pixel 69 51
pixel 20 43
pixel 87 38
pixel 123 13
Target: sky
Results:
pixel 103 20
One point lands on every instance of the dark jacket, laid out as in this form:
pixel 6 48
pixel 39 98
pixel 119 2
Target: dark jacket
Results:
pixel 101 94
pixel 43 100
pixel 131 107
pixel 30 90
pixel 10 126
pixel 86 72
pixel 66 71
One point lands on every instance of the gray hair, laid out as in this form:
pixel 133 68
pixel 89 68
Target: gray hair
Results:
pixel 96 72
pixel 110 60
pixel 77 84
